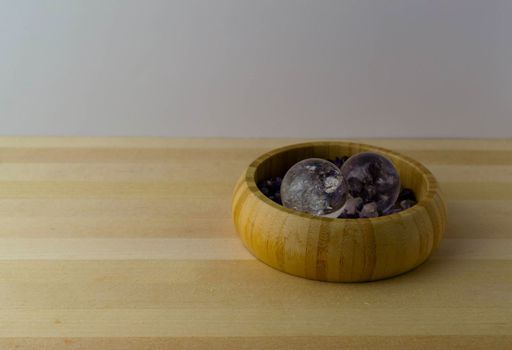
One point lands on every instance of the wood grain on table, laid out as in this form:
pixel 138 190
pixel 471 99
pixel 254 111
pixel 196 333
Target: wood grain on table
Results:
pixel 127 243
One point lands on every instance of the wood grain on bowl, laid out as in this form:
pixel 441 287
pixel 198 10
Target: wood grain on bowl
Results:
pixel 338 250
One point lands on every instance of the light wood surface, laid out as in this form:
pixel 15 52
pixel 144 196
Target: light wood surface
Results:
pixel 331 249
pixel 128 244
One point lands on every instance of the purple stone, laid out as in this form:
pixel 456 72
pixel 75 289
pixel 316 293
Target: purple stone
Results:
pixel 406 193
pixel 369 210
pixel 407 203
pixel 271 188
pixel 351 208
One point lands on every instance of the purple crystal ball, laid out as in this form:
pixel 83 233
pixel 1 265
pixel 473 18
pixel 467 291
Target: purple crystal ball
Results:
pixel 373 178
pixel 314 186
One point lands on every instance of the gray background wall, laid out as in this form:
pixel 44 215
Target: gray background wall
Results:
pixel 256 68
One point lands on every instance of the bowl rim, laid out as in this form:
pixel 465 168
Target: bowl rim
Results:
pixel 432 184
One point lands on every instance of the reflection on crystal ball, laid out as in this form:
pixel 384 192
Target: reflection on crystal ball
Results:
pixel 373 178
pixel 314 186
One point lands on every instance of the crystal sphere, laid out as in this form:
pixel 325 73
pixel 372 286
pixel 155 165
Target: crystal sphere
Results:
pixel 373 178
pixel 314 186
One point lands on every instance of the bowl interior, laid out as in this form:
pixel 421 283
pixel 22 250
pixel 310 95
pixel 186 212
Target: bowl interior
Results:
pixel 275 163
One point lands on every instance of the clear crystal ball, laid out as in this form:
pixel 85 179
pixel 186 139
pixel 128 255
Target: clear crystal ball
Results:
pixel 373 178
pixel 314 186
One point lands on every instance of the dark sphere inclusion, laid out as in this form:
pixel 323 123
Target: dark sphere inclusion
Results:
pixel 373 178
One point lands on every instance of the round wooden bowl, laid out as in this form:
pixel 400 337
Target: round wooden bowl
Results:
pixel 331 249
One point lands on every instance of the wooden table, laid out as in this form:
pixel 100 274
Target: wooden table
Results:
pixel 128 244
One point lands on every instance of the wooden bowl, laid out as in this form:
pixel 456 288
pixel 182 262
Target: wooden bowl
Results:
pixel 331 249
